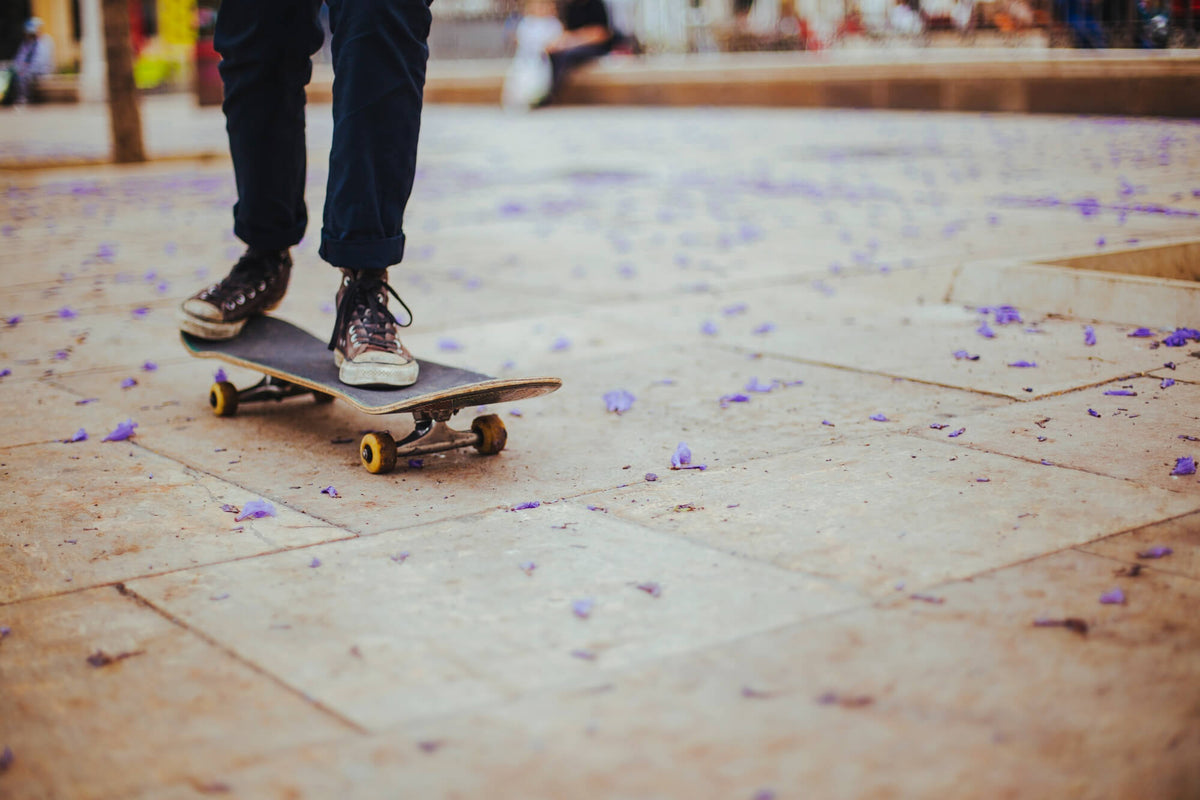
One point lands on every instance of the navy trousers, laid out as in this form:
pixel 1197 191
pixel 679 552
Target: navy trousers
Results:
pixel 379 55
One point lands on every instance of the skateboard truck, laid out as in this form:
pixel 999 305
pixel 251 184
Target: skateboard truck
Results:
pixel 378 450
pixel 430 434
pixel 225 398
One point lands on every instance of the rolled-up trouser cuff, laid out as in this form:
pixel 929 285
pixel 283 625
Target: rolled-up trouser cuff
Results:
pixel 372 254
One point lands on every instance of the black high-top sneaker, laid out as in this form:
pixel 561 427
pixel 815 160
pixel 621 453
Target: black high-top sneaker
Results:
pixel 255 285
pixel 365 344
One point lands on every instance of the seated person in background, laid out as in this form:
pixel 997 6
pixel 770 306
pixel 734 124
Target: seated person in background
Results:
pixel 34 58
pixel 587 35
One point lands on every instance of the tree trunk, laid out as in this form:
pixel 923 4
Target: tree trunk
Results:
pixel 124 118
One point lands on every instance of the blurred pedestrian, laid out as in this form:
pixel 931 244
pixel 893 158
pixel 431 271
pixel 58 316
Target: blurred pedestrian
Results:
pixel 528 80
pixel 379 50
pixel 587 35
pixel 34 58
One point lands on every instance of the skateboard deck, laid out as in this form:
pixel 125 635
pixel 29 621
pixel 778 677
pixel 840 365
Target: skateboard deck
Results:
pixel 294 362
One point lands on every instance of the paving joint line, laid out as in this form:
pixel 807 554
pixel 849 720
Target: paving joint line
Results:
pixel 124 591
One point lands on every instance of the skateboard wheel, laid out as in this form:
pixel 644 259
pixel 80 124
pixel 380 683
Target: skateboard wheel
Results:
pixel 491 432
pixel 223 398
pixel 378 452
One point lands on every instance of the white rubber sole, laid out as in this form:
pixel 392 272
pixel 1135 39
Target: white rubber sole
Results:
pixel 207 329
pixel 370 374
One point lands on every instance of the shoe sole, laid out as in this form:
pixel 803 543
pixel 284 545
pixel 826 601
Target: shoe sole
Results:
pixel 213 330
pixel 391 375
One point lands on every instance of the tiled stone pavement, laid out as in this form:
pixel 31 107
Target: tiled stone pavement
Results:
pixel 842 604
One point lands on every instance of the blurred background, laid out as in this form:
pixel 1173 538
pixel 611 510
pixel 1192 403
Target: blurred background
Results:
pixel 173 50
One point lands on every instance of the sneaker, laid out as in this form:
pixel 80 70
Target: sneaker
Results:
pixel 365 345
pixel 255 285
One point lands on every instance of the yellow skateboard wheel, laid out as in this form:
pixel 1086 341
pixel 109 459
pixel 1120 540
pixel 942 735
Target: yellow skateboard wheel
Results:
pixel 491 432
pixel 223 398
pixel 378 452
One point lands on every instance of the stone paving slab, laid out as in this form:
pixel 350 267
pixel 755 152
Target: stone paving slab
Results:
pixel 1149 427
pixel 919 685
pixel 169 707
pixel 559 446
pixel 90 513
pixel 1145 546
pixel 480 609
pixel 887 514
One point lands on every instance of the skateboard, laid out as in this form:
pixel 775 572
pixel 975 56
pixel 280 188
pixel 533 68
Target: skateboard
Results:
pixel 293 362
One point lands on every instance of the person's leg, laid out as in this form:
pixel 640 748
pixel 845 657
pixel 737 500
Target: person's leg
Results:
pixel 379 58
pixel 564 62
pixel 265 47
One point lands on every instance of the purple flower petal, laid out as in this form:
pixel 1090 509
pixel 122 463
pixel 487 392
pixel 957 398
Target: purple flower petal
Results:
pixel 4 373
pixel 957 433
pixel 764 328
pixel 827 422
pixel 984 331
pixel 122 432
pixel 329 490
pixel 1170 365
pixel 1166 383
pixel 1113 597
pixel 1006 315
pixel 527 567
pixel 400 558
pixel 1089 336
pixel 416 463
pixel 526 506
pixel 128 383
pixel 1141 333
pixel 964 355
pixel 66 312
pixel 316 562
pixel 618 401
pixel 256 509
pixel 1093 412
pixel 725 400
pixel 583 655
pixel 80 436
pixel 735 309
pixel 219 376
pixel 755 385
pixel 709 328
pixel 1158 551
pixel 583 608
pixel 560 344
pixel 13 321
pixel 1121 393
pixel 5 631
pixel 937 426
pixel 879 418
pixel 149 366
pixel 1023 364
pixel 1185 465
pixel 449 345
pixel 681 457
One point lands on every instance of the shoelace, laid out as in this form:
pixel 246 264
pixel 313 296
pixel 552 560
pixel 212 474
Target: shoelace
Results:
pixel 367 294
pixel 246 278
